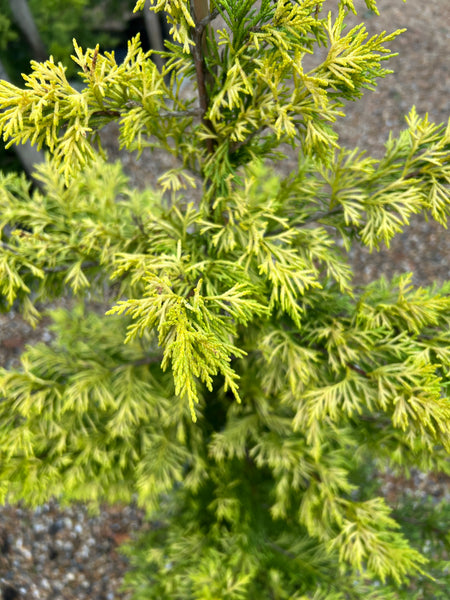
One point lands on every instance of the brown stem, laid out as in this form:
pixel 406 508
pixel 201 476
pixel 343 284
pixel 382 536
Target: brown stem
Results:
pixel 281 550
pixel 357 370
pixel 202 18
pixel 207 20
pixel 312 219
pixel 413 174
pixel 201 9
pixel 163 113
pixel 61 268
pixel 106 113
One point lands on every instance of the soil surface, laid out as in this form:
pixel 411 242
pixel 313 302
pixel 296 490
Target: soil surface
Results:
pixel 67 554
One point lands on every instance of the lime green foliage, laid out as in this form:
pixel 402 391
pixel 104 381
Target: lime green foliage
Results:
pixel 240 384
pixel 178 16
pixel 253 103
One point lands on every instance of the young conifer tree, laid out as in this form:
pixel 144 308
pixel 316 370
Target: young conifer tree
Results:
pixel 240 383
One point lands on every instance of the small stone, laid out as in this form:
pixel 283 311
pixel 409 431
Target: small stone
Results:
pixel 83 552
pixel 45 583
pixel 56 526
pixel 39 527
pixel 26 553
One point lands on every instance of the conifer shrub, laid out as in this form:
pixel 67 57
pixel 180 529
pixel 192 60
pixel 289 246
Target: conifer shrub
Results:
pixel 240 386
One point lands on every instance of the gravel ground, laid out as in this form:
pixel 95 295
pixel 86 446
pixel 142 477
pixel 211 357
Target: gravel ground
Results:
pixel 53 553
pixel 67 554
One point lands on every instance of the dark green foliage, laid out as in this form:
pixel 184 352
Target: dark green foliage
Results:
pixel 58 21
